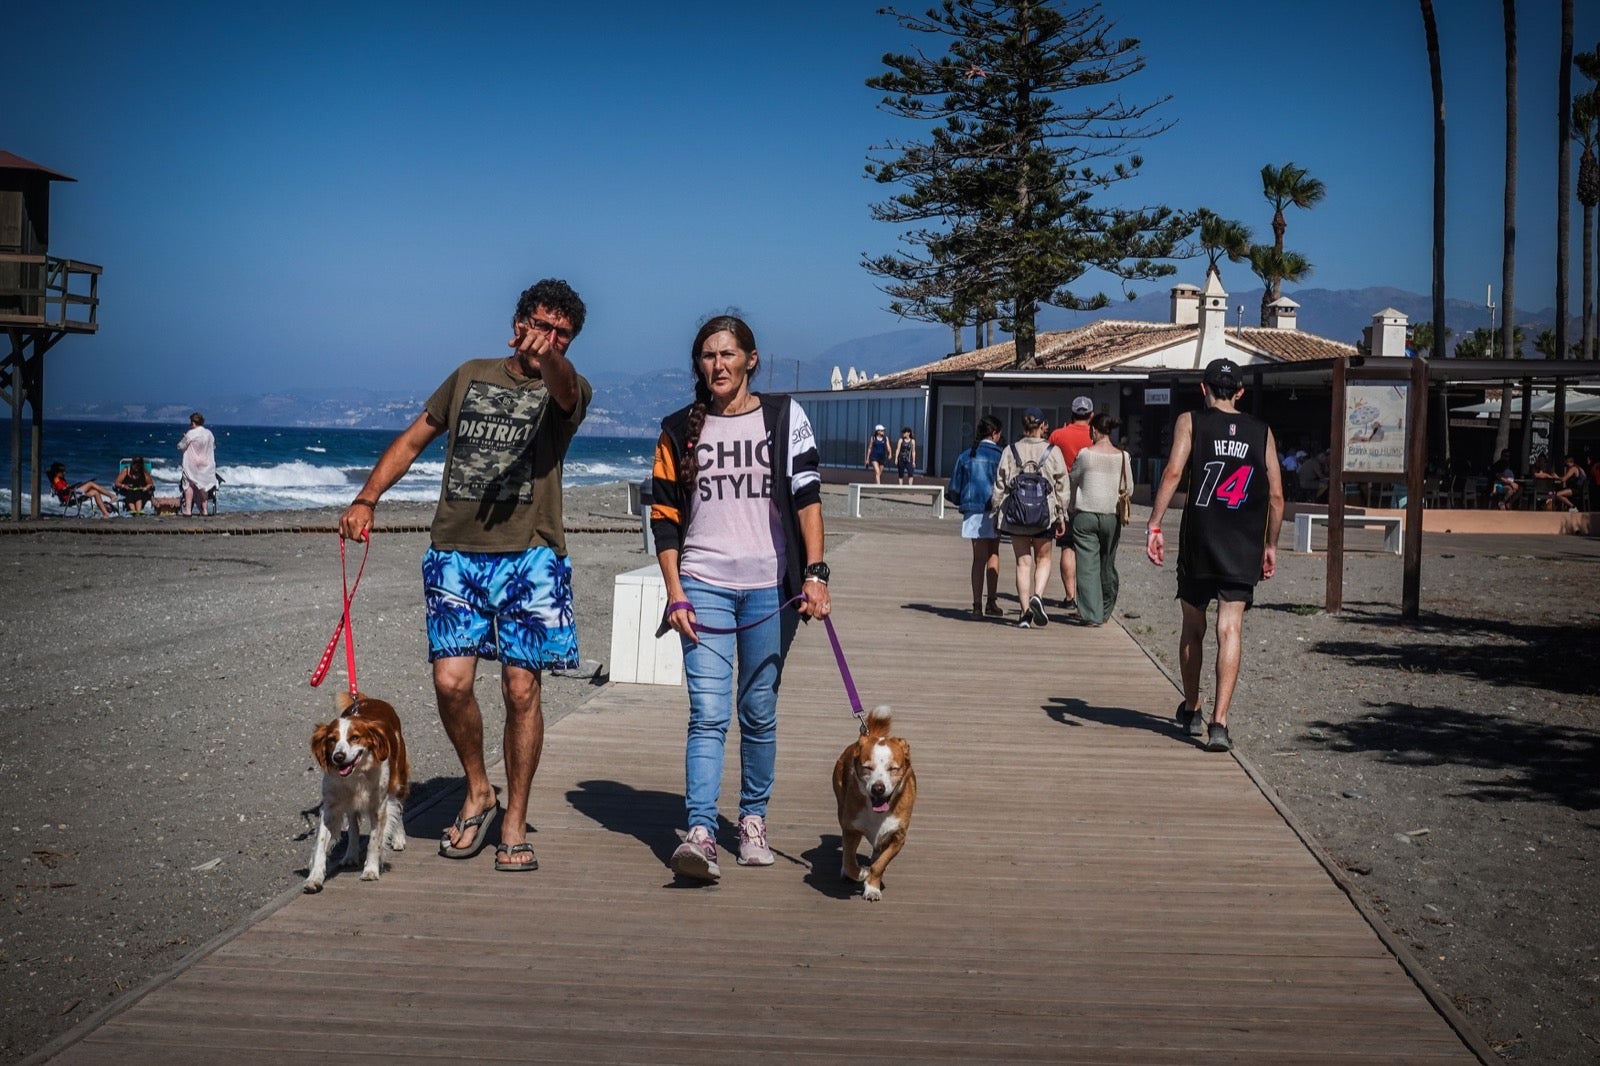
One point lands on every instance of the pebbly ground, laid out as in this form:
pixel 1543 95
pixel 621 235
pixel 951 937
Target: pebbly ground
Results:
pixel 154 718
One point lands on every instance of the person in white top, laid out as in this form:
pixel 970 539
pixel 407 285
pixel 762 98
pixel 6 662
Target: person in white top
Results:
pixel 199 450
pixel 1098 475
pixel 737 517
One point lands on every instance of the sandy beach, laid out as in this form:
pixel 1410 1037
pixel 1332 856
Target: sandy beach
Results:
pixel 160 788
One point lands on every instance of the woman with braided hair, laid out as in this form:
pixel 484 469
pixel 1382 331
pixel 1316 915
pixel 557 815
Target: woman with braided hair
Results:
pixel 737 519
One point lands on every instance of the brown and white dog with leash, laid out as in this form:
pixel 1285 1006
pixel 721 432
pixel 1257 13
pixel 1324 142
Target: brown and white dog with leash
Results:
pixel 876 789
pixel 365 778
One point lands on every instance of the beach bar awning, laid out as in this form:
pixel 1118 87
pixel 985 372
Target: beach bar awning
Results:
pixel 1581 407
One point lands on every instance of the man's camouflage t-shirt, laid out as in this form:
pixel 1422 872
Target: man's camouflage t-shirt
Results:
pixel 501 490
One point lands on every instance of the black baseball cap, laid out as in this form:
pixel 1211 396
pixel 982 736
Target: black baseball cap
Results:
pixel 1222 374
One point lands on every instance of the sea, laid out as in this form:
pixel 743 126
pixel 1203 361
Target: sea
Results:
pixel 285 468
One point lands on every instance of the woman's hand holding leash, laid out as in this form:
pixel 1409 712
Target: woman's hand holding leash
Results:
pixel 817 603
pixel 680 617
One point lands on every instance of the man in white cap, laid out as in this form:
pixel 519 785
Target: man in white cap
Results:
pixel 1229 537
pixel 1069 440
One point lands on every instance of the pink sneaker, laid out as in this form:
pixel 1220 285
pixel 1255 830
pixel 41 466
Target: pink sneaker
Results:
pixel 753 850
pixel 696 857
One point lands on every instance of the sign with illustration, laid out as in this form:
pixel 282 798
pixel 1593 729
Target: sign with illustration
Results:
pixel 1375 428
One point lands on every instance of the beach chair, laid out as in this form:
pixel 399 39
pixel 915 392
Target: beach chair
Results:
pixel 68 504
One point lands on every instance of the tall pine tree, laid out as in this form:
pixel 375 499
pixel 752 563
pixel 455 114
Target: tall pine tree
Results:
pixel 999 208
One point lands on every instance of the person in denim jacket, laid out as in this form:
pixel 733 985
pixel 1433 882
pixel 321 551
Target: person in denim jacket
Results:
pixel 971 485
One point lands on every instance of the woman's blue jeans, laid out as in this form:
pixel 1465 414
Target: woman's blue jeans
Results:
pixel 709 668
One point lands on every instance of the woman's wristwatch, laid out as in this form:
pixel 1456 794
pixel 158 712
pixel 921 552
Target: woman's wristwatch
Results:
pixel 817 572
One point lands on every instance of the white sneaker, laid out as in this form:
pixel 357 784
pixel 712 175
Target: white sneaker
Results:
pixel 696 857
pixel 753 850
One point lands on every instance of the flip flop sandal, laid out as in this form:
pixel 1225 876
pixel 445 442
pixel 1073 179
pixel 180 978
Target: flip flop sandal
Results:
pixel 479 839
pixel 506 865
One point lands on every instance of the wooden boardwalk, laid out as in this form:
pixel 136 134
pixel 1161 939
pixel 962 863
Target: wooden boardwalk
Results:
pixel 1080 885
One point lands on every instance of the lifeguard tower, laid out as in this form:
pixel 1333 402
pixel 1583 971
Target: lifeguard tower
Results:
pixel 42 299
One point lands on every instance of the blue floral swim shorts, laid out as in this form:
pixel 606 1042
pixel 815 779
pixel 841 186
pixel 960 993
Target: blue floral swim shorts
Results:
pixel 515 608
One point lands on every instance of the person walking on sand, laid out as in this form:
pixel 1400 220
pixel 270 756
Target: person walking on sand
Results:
pixel 878 450
pixel 970 488
pixel 905 457
pixel 1031 541
pixel 737 520
pixel 497 583
pixel 1228 541
pixel 1069 440
pixel 1100 474
pixel 199 448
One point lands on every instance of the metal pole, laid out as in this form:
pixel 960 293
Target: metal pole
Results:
pixel 1416 453
pixel 1333 599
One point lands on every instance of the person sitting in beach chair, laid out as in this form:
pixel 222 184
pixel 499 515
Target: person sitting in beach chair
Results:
pixel 134 484
pixel 76 495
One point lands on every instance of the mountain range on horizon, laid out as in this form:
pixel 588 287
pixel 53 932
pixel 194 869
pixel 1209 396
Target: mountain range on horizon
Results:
pixel 631 405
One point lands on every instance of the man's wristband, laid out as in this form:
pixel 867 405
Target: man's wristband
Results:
pixel 1151 529
pixel 363 501
pixel 818 580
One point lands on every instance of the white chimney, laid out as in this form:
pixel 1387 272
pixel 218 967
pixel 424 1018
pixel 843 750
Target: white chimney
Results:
pixel 1185 304
pixel 1213 321
pixel 1281 313
pixel 1387 335
pixel 836 381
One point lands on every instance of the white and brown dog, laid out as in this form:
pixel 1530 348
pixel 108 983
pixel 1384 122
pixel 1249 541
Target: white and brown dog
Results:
pixel 365 778
pixel 876 789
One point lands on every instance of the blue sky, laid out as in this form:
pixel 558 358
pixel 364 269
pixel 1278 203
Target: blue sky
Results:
pixel 292 195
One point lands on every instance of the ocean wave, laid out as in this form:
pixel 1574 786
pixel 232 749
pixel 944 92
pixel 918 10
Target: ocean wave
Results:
pixel 317 449
pixel 294 474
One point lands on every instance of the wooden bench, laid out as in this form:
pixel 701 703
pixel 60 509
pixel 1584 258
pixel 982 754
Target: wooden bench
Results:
pixel 858 487
pixel 638 599
pixel 1393 527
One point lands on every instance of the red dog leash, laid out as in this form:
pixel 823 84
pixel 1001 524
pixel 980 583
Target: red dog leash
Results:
pixel 343 626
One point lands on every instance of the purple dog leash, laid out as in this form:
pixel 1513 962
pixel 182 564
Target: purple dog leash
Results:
pixel 827 622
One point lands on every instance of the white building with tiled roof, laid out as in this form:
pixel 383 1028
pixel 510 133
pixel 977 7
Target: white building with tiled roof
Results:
pixel 1142 372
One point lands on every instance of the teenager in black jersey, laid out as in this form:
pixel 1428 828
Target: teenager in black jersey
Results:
pixel 1232 511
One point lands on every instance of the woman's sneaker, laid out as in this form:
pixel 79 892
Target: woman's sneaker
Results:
pixel 696 857
pixel 753 850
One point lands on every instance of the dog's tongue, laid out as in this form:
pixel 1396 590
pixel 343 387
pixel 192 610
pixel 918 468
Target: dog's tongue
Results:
pixel 344 771
pixel 879 808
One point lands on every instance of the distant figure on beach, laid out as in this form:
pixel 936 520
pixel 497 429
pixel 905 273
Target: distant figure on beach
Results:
pixel 1099 474
pixel 1069 440
pixel 135 484
pixel 497 583
pixel 905 457
pixel 64 489
pixel 1228 541
pixel 970 488
pixel 737 519
pixel 199 450
pixel 1032 542
pixel 877 453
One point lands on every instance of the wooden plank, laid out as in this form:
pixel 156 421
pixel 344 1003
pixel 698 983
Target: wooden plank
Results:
pixel 1058 899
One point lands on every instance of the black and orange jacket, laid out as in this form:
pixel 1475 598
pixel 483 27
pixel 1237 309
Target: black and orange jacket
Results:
pixel 798 485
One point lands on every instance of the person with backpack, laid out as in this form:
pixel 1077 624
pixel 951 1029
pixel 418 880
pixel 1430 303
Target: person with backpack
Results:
pixel 1030 504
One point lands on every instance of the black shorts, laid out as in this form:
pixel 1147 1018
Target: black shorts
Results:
pixel 1197 593
pixel 1065 540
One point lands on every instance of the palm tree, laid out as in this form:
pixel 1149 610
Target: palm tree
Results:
pixel 1588 64
pixel 1558 414
pixel 1584 119
pixel 1286 186
pixel 1222 237
pixel 1422 340
pixel 1431 32
pixel 1274 267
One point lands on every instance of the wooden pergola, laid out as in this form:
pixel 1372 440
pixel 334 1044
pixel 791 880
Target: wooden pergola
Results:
pixel 43 298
